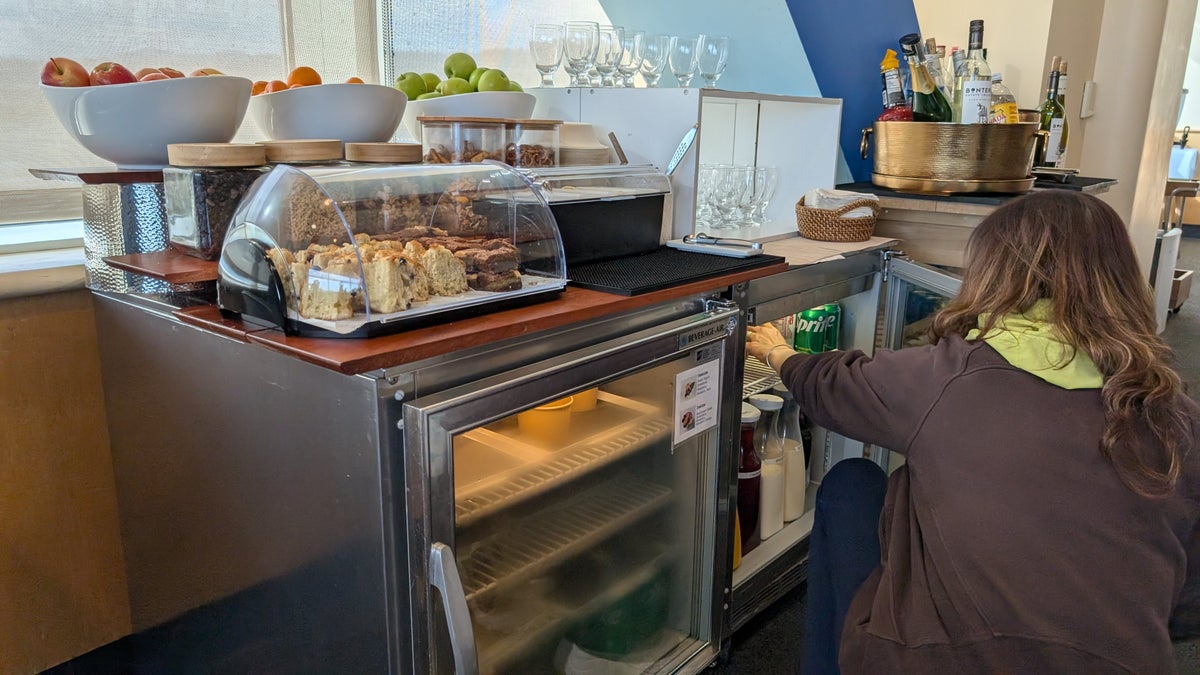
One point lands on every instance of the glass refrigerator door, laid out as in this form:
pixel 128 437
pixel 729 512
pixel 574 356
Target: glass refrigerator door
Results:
pixel 915 293
pixel 572 507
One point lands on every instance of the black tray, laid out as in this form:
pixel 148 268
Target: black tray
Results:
pixel 659 269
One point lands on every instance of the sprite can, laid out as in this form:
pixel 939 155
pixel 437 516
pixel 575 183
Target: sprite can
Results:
pixel 833 326
pixel 810 330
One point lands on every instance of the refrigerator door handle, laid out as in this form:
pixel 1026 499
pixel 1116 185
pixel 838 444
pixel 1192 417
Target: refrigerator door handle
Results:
pixel 443 575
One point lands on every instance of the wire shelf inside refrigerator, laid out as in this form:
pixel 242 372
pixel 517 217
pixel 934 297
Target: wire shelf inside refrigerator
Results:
pixel 758 378
pixel 567 529
pixel 541 472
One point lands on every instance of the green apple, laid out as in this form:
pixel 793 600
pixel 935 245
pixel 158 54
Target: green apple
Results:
pixel 455 85
pixel 431 81
pixel 459 64
pixel 428 95
pixel 513 86
pixel 474 78
pixel 493 80
pixel 411 84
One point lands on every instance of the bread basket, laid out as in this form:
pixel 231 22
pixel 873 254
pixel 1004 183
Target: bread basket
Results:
pixel 832 225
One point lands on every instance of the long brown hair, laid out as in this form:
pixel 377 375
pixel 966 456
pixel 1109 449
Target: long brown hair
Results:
pixel 1074 250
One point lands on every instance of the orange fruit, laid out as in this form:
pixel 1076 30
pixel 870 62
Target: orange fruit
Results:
pixel 275 85
pixel 303 75
pixel 297 86
pixel 258 87
pixel 354 80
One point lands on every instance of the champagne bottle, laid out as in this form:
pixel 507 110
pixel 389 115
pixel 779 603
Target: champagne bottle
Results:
pixel 929 104
pixel 1054 122
pixel 973 86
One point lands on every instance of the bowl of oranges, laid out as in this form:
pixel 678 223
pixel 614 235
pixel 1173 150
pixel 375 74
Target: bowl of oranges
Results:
pixel 304 107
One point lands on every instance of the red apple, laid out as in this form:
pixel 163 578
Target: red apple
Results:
pixel 150 77
pixel 170 72
pixel 60 72
pixel 111 73
pixel 206 71
pixel 142 72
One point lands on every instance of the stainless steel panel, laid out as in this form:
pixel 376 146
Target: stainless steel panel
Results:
pixel 803 287
pixel 255 501
pixel 120 220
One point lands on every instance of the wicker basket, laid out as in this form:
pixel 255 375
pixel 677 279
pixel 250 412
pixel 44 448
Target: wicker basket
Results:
pixel 829 225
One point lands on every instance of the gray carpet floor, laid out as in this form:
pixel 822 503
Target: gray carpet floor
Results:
pixel 771 642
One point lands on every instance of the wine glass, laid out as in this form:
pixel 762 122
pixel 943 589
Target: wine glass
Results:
pixel 683 59
pixel 546 45
pixel 712 53
pixel 581 39
pixel 608 55
pixel 766 178
pixel 631 57
pixel 655 51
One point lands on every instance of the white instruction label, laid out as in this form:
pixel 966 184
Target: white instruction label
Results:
pixel 697 400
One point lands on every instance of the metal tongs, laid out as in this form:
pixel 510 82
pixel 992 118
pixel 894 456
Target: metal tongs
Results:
pixel 702 238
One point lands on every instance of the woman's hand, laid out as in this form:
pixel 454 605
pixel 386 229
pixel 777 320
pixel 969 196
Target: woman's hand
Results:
pixel 766 340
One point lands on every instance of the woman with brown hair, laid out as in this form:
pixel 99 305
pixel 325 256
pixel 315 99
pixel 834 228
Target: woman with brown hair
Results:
pixel 1046 518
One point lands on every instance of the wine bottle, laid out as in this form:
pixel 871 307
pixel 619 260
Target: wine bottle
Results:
pixel 929 104
pixel 1062 84
pixel 1054 122
pixel 973 86
pixel 933 64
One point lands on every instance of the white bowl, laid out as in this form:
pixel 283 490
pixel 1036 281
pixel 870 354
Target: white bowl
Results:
pixel 504 104
pixel 131 124
pixel 351 113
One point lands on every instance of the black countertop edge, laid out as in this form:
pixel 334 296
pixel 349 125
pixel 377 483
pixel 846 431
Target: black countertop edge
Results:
pixel 1077 183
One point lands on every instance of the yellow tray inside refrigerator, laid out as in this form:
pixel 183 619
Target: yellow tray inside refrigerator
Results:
pixel 496 468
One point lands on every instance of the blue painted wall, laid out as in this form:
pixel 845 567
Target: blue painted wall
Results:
pixel 844 41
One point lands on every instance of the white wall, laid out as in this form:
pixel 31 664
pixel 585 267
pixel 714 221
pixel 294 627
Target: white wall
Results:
pixel 1015 33
pixel 1191 81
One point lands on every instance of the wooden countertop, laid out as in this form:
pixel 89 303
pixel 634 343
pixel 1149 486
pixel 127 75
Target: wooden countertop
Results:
pixel 360 355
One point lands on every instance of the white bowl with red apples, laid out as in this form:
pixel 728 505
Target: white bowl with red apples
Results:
pixel 130 122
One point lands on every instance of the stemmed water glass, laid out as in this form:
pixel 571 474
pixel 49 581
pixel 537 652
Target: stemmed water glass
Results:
pixel 608 55
pixel 683 59
pixel 765 180
pixel 546 45
pixel 712 55
pixel 581 39
pixel 655 51
pixel 631 57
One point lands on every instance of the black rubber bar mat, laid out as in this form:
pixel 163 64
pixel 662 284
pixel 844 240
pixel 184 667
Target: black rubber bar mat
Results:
pixel 656 270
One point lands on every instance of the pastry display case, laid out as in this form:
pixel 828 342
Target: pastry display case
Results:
pixel 362 251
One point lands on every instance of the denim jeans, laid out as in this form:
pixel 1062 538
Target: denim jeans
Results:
pixel 843 551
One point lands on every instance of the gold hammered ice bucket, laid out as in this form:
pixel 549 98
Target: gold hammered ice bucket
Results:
pixel 943 157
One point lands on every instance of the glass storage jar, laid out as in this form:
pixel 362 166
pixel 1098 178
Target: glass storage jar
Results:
pixel 453 140
pixel 532 143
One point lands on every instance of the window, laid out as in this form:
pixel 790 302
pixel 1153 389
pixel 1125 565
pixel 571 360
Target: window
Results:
pixel 258 39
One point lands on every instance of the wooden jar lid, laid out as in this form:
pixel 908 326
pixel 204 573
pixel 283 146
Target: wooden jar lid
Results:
pixel 314 150
pixel 391 153
pixel 229 155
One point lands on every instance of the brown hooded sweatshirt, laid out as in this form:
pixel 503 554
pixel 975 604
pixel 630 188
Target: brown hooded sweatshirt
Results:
pixel 1009 544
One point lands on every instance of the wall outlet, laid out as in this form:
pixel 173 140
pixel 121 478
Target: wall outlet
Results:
pixel 1087 104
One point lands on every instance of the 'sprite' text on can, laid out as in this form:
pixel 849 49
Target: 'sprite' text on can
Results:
pixel 810 330
pixel 833 327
